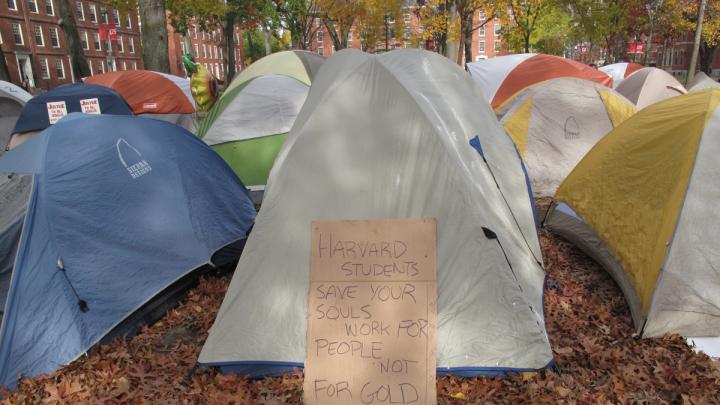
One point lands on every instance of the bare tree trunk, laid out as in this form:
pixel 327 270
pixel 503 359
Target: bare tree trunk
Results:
pixel 79 64
pixel 154 36
pixel 4 72
pixel 266 39
pixel 229 47
pixel 451 47
pixel 696 44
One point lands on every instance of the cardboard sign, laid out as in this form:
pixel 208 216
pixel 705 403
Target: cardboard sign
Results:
pixel 90 106
pixel 372 313
pixel 56 110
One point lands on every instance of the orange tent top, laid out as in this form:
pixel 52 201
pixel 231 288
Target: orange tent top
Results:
pixel 544 67
pixel 146 91
pixel 632 67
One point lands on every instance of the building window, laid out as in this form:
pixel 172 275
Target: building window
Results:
pixel 131 45
pixel 195 31
pixel 197 51
pixel 93 13
pixel 317 22
pixel 39 40
pixel 1 40
pixel 17 34
pixel 124 65
pixel 497 46
pixel 32 6
pixel 92 72
pixel 221 53
pixel 481 46
pixel 204 51
pixel 481 31
pixel 128 21
pixel 103 14
pixel 319 37
pixel 54 41
pixel 497 29
pixel 320 51
pixel 215 48
pixel 84 41
pixel 134 65
pixel 121 45
pixel 80 10
pixel 102 66
pixel 49 9
pixel 44 69
pixel 12 5
pixel 96 41
pixel 116 17
pixel 60 69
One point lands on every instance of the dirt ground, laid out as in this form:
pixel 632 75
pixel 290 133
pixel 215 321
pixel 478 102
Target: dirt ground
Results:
pixel 598 358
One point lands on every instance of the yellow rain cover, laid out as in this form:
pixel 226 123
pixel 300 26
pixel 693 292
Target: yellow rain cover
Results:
pixel 631 186
pixel 518 125
pixel 618 109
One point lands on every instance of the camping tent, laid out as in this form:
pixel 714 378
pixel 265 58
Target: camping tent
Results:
pixel 121 208
pixel 12 100
pixel 619 71
pixel 701 81
pixel 63 100
pixel 643 203
pixel 249 123
pixel 648 86
pixel 502 76
pixel 391 136
pixel 555 123
pixel 152 94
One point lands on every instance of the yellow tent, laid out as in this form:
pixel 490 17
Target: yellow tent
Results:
pixel 644 203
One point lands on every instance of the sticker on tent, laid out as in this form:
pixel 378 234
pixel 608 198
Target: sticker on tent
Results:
pixel 132 159
pixel 90 106
pixel 372 312
pixel 56 110
pixel 150 106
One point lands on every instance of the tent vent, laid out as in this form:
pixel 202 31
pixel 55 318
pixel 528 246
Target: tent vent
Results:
pixel 489 233
pixel 61 267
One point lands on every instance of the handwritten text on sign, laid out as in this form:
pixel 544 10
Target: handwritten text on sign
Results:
pixel 372 312
pixel 56 110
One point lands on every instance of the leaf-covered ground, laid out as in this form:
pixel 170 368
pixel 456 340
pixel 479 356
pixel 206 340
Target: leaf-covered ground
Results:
pixel 598 359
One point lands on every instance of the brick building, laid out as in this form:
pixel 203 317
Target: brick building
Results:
pixel 486 41
pixel 206 48
pixel 35 47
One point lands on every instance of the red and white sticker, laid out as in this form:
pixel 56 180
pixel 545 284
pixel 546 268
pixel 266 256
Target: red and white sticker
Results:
pixel 90 106
pixel 150 106
pixel 56 110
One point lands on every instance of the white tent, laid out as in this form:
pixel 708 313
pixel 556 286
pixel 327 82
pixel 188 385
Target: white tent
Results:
pixel 701 82
pixel 12 100
pixel 648 86
pixel 397 135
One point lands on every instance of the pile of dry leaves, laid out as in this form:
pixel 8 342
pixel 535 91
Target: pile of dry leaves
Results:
pixel 598 360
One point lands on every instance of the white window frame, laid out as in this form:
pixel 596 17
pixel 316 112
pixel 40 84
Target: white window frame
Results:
pixel 128 21
pixel 481 46
pixel 134 65
pixel 14 7
pixel 40 43
pixel 204 51
pixel 321 51
pixel 103 15
pixel 81 9
pixel 22 37
pixel 93 13
pixel 51 10
pixel 116 18
pixel 92 72
pixel 34 2
pixel 121 45
pixel 496 29
pixel 131 45
pixel 124 65
pixel 197 51
pixel 98 41
pixel 86 46
pixel 62 68
pixel 45 74
pixel 102 66
pixel 57 37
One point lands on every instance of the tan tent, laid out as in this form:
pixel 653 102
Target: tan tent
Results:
pixel 649 86
pixel 701 81
pixel 555 123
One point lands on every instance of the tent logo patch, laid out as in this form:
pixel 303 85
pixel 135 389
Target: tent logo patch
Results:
pixel 132 159
pixel 572 129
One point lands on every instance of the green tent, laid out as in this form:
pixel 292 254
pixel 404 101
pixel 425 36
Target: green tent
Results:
pixel 249 123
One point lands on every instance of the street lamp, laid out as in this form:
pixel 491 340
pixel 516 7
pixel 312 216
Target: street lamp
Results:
pixel 651 8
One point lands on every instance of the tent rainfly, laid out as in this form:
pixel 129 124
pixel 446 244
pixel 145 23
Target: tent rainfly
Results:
pixel 643 203
pixel 556 122
pixel 153 95
pixel 503 76
pixel 649 86
pixel 249 123
pixel 396 135
pixel 35 117
pixel 701 82
pixel 121 209
pixel 12 100
pixel 619 71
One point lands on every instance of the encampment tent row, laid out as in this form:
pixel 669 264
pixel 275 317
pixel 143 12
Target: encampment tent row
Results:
pixel 643 203
pixel 447 158
pixel 120 210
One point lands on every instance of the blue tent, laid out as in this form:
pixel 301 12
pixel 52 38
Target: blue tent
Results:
pixel 34 116
pixel 121 208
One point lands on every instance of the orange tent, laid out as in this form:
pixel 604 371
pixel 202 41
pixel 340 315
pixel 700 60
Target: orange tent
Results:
pixel 146 92
pixel 503 76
